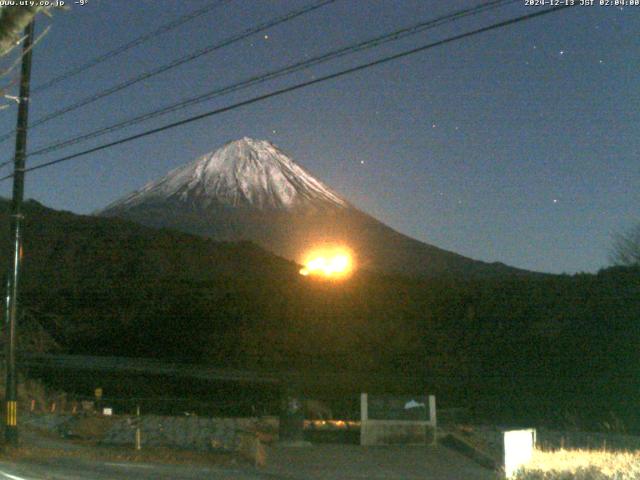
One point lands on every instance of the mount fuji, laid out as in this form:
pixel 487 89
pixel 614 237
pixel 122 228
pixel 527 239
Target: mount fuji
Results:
pixel 250 190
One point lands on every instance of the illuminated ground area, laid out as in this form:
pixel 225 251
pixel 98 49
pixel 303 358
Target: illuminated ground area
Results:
pixel 328 263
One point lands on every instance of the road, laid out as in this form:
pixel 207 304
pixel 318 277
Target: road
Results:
pixel 77 469
pixel 319 462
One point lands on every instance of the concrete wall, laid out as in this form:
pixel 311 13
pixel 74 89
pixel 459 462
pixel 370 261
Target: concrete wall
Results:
pixel 380 432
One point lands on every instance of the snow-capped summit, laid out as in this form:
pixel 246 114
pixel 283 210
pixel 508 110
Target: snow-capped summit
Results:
pixel 242 173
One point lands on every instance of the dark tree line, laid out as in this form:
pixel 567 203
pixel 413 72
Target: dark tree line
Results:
pixel 537 348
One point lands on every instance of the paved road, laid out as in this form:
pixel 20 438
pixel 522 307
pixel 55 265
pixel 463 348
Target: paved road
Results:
pixel 75 469
pixel 351 462
pixel 319 462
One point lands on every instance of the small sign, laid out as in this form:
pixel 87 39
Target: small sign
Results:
pixel 518 450
pixel 107 411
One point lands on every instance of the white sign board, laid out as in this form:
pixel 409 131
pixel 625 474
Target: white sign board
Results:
pixel 518 450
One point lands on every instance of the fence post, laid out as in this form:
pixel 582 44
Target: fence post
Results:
pixel 433 419
pixel 138 433
pixel 364 417
pixel 364 407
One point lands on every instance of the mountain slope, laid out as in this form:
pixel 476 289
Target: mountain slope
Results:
pixel 250 190
pixel 524 346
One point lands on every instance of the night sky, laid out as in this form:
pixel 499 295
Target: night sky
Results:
pixel 519 145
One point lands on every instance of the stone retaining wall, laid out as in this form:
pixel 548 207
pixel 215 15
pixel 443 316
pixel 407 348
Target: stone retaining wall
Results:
pixel 188 432
pixel 192 432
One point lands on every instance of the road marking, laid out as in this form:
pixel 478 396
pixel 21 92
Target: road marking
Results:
pixel 12 477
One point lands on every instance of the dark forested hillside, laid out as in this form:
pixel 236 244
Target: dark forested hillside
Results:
pixel 510 347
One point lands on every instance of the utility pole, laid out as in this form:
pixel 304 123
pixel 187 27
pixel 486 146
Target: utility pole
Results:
pixel 11 390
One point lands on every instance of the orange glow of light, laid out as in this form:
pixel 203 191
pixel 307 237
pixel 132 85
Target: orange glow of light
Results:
pixel 337 263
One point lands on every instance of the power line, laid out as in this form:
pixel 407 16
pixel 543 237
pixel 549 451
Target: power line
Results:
pixel 258 79
pixel 128 46
pixel 175 63
pixel 297 87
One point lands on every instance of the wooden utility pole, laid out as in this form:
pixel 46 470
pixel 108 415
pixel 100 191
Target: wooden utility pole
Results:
pixel 11 390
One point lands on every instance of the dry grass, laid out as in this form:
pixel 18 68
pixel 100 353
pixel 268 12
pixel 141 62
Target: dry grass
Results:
pixel 253 450
pixel 582 464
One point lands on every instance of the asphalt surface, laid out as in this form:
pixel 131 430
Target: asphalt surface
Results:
pixel 318 462
pixel 350 462
pixel 77 469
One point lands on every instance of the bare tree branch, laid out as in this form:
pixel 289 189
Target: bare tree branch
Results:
pixel 13 21
pixel 19 59
pixel 626 247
